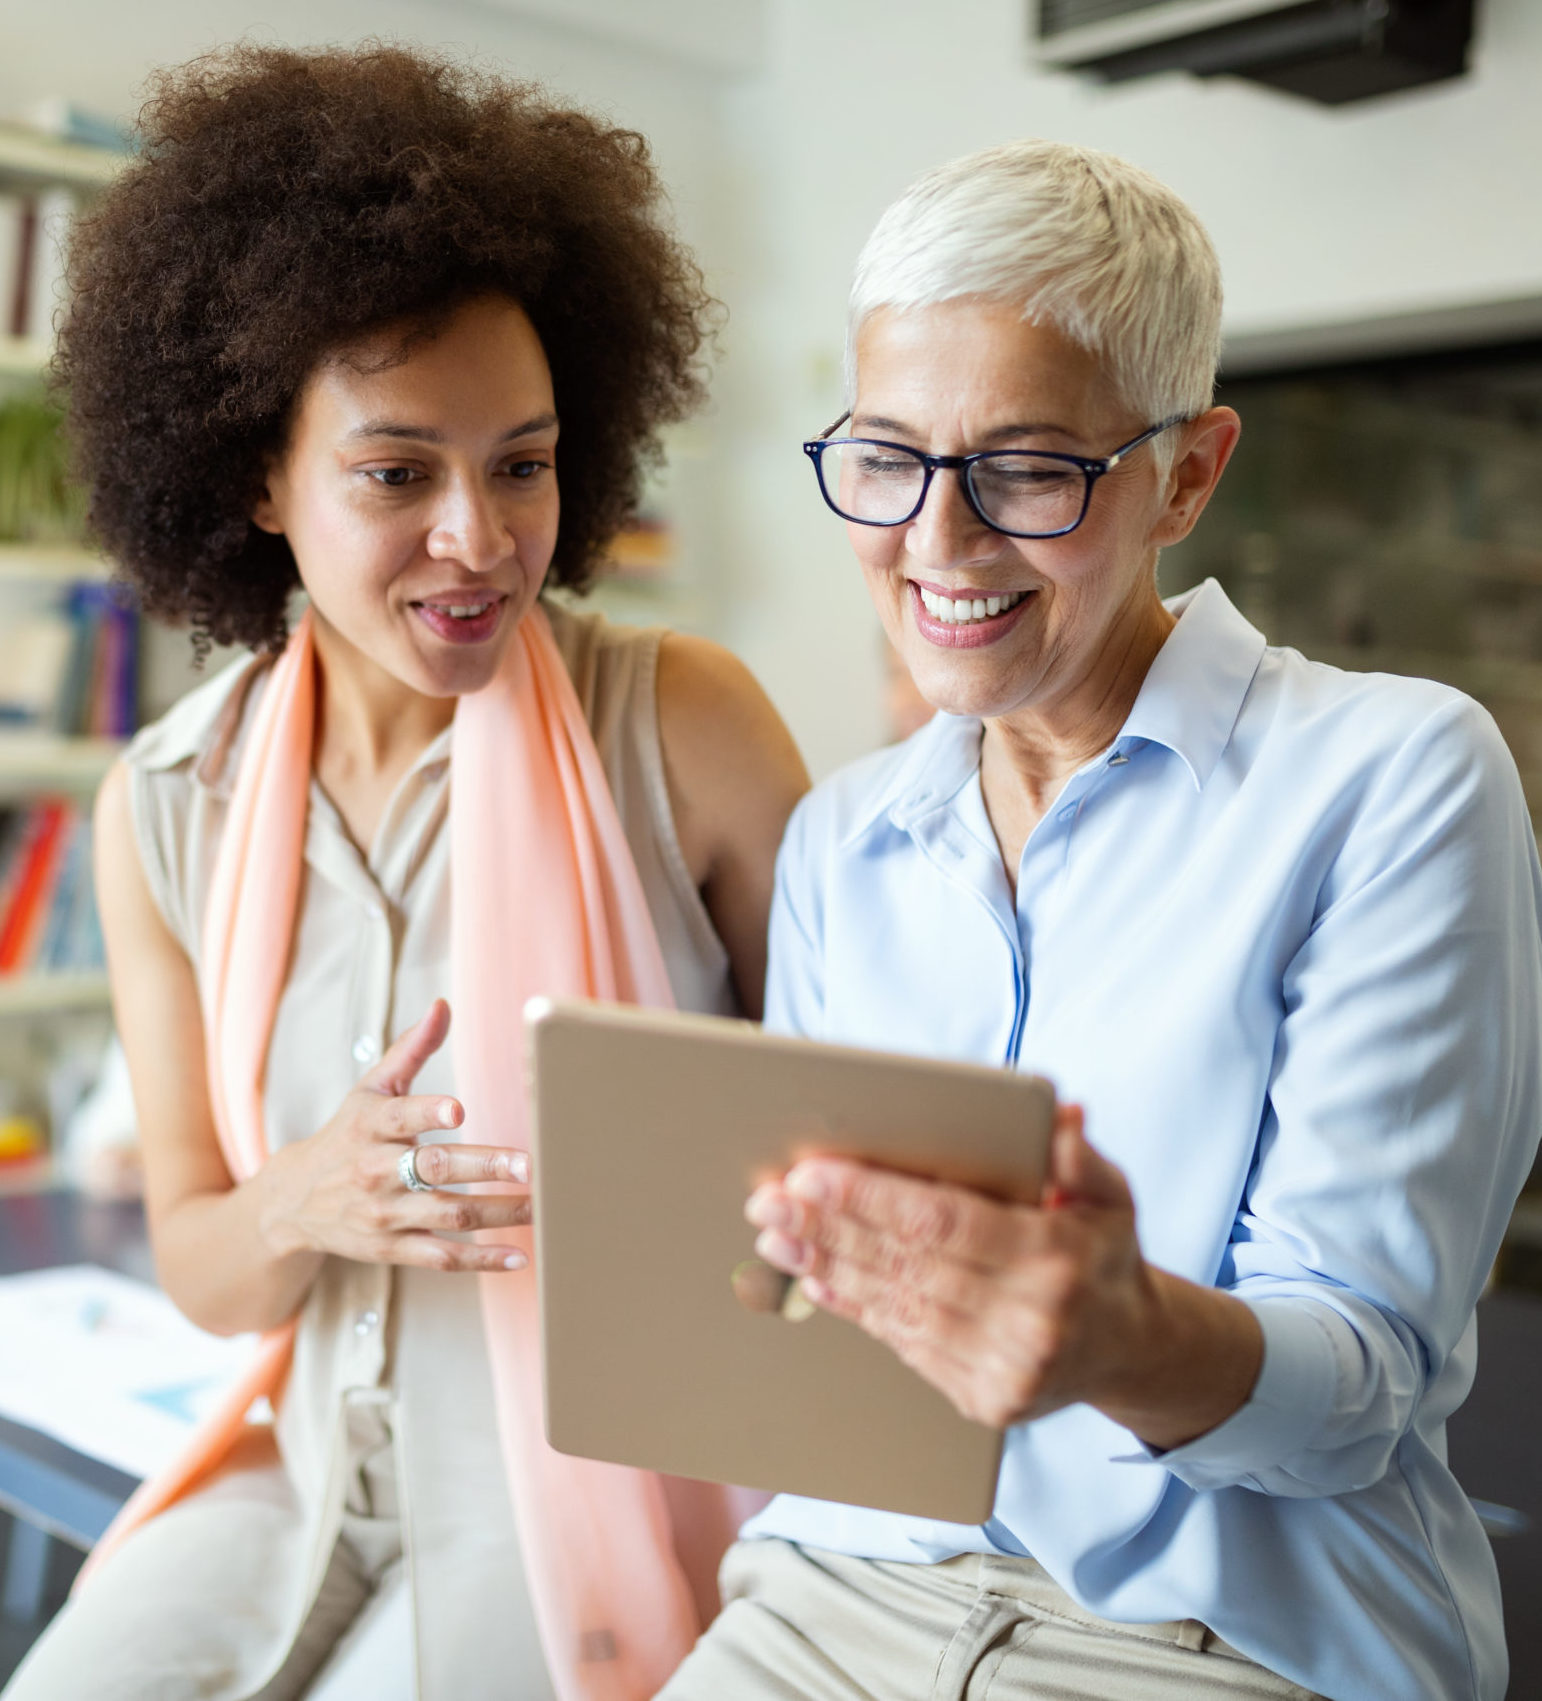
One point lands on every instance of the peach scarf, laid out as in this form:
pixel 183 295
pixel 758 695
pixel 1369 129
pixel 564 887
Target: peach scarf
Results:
pixel 545 898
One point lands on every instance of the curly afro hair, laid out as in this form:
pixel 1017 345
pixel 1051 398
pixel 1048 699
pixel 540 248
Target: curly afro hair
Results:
pixel 285 204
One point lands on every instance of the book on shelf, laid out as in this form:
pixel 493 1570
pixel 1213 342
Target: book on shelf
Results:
pixel 67 121
pixel 69 662
pixel 15 262
pixel 35 218
pixel 48 917
pixel 34 228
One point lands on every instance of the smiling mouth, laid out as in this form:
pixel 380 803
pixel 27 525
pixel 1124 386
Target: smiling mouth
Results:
pixel 963 611
pixel 462 610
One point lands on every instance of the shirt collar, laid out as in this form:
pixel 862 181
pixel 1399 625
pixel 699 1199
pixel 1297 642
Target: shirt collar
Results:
pixel 1189 702
pixel 1195 689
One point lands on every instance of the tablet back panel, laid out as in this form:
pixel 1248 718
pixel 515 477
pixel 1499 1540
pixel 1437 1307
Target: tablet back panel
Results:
pixel 651 1130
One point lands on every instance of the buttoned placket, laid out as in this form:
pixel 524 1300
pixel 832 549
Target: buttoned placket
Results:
pixel 954 833
pixel 332 856
pixel 1044 885
pixel 971 863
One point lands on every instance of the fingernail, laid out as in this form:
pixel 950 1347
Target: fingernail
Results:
pixel 515 1261
pixel 810 1184
pixel 516 1166
pixel 769 1210
pixel 782 1250
pixel 816 1290
pixel 447 1113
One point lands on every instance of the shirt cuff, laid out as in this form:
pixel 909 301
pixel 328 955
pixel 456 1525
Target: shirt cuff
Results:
pixel 1294 1396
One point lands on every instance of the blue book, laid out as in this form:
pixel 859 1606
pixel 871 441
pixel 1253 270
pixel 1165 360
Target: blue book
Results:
pixel 52 951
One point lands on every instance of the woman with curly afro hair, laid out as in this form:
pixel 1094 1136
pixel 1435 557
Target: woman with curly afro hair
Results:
pixel 365 325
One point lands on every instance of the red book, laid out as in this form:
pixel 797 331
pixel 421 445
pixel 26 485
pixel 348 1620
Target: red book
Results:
pixel 19 307
pixel 106 664
pixel 28 908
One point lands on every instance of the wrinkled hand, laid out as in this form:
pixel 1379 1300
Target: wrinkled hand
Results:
pixel 339 1191
pixel 1011 1310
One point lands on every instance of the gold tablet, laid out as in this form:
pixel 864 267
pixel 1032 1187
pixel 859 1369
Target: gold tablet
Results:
pixel 663 1341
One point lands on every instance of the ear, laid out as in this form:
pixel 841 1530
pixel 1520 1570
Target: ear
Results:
pixel 267 513
pixel 1205 446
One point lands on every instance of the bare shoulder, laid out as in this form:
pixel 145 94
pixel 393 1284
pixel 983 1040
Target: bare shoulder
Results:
pixel 734 775
pixel 139 943
pixel 708 697
pixel 732 766
pixel 117 864
pixel 111 811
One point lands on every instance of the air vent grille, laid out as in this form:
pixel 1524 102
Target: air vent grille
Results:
pixel 1058 15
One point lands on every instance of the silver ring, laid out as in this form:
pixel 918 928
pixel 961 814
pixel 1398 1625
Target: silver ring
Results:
pixel 407 1172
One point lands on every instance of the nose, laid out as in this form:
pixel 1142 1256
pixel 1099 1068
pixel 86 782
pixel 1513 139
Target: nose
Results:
pixel 469 528
pixel 947 532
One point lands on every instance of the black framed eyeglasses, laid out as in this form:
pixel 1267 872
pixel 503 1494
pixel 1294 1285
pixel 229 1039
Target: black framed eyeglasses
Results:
pixel 1022 492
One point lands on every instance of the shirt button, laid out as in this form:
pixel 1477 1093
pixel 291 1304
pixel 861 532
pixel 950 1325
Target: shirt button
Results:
pixel 1068 812
pixel 366 1048
pixel 1117 761
pixel 365 1321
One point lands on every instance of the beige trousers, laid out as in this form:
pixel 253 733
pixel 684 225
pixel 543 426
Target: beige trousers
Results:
pixel 800 1624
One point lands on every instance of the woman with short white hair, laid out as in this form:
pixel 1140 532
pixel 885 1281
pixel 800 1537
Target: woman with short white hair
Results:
pixel 1273 930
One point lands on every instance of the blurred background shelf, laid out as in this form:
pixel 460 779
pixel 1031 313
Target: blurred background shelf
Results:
pixel 28 157
pixel 65 563
pixel 23 357
pixel 33 762
pixel 48 994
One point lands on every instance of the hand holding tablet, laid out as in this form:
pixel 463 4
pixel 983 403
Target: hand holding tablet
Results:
pixel 668 1344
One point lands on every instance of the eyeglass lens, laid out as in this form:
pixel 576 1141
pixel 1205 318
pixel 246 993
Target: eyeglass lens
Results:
pixel 1017 491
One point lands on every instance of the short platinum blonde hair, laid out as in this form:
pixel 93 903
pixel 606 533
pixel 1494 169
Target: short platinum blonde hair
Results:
pixel 1084 241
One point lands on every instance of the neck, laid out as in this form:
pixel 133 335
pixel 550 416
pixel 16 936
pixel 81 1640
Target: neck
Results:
pixel 368 723
pixel 1026 756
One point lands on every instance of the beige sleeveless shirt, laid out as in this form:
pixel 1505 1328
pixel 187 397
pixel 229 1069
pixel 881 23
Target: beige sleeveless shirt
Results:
pixel 371 953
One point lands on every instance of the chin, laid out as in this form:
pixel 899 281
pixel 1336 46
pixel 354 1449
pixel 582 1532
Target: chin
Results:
pixel 466 681
pixel 457 676
pixel 950 689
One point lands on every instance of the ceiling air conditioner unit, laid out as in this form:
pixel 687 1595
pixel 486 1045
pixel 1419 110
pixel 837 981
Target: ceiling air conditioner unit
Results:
pixel 1332 51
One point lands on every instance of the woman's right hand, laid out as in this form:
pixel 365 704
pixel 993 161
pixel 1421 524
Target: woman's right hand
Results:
pixel 341 1192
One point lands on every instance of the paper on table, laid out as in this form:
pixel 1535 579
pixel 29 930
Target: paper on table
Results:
pixel 107 1365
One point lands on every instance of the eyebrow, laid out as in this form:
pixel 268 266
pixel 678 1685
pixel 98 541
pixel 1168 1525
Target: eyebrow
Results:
pixel 429 434
pixel 877 422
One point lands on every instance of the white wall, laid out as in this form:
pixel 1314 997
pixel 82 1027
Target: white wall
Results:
pixel 782 128
pixel 99 53
pixel 1417 201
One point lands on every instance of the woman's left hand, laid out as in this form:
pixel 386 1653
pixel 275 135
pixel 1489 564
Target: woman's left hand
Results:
pixel 1014 1311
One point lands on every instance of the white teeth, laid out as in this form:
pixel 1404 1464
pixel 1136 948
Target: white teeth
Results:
pixel 954 612
pixel 468 611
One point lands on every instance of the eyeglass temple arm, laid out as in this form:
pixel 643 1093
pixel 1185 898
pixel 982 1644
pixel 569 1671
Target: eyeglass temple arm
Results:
pixel 829 430
pixel 1113 460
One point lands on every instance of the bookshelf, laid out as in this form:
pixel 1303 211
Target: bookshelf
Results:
pixel 51 1020
pixel 33 162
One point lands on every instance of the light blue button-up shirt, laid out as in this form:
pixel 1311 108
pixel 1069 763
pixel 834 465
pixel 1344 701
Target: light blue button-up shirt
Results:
pixel 1281 939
